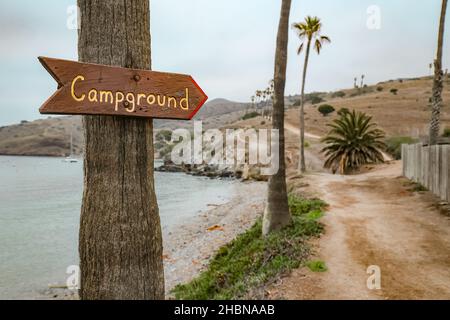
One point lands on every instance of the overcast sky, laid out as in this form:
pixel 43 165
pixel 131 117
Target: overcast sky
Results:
pixel 227 45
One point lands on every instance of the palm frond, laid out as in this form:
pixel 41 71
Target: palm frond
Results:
pixel 353 140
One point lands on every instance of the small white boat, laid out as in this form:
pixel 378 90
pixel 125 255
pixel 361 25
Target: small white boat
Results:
pixel 71 158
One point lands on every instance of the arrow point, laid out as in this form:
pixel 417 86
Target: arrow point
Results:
pixel 202 102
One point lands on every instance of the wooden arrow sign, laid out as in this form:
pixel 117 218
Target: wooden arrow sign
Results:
pixel 93 89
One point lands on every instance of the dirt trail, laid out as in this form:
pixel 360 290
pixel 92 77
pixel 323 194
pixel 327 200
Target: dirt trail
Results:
pixel 375 219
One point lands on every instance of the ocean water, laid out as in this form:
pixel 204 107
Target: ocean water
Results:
pixel 40 200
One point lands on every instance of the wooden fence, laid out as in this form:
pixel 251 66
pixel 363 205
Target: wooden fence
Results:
pixel 429 166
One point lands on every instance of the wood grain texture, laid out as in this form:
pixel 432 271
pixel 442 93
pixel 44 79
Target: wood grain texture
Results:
pixel 120 242
pixel 172 96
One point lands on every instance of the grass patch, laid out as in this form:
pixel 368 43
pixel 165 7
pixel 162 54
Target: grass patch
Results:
pixel 317 266
pixel 250 115
pixel 446 133
pixel 394 145
pixel 417 187
pixel 251 260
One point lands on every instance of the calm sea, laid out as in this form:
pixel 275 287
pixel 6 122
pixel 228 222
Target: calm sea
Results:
pixel 40 200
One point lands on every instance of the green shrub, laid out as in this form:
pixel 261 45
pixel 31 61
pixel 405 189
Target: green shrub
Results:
pixel 250 115
pixel 446 133
pixel 250 261
pixel 326 109
pixel 317 266
pixel 338 94
pixel 316 100
pixel 394 145
pixel 297 103
pixel 380 88
pixel 343 111
pixel 394 91
pixel 164 135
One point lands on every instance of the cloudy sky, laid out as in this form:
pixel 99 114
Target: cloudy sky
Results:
pixel 227 45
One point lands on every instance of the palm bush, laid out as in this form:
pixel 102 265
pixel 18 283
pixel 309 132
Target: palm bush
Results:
pixel 354 140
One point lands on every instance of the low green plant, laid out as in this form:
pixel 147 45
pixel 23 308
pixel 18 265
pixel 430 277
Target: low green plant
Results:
pixel 338 94
pixel 250 115
pixel 353 141
pixel 316 100
pixel 251 260
pixel 394 145
pixel 317 266
pixel 164 135
pixel 343 111
pixel 326 109
pixel 446 133
pixel 394 91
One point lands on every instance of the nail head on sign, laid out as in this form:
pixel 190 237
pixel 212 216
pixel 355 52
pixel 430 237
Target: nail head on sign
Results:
pixel 137 77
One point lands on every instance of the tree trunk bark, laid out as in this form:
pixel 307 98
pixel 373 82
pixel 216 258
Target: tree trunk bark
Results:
pixel 302 162
pixel 436 99
pixel 276 213
pixel 120 234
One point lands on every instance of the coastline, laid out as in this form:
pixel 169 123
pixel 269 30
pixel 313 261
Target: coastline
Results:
pixel 187 250
pixel 188 247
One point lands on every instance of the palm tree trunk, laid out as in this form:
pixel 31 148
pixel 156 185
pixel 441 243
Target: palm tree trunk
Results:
pixel 302 162
pixel 436 99
pixel 276 213
pixel 120 234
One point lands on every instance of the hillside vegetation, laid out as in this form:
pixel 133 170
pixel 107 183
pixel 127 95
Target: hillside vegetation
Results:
pixel 400 107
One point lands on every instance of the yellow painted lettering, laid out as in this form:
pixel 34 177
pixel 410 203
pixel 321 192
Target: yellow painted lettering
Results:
pixel 163 102
pixel 184 103
pixel 72 91
pixel 106 96
pixel 119 98
pixel 92 96
pixel 151 99
pixel 140 96
pixel 131 101
pixel 172 102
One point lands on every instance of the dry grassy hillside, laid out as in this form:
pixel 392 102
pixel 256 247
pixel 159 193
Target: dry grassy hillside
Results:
pixel 51 137
pixel 405 114
pixel 46 137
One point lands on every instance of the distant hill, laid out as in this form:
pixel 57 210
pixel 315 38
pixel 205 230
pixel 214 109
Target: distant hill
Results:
pixel 46 137
pixel 400 107
pixel 51 137
pixel 214 113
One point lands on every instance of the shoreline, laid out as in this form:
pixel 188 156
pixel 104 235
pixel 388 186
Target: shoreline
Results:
pixel 188 250
pixel 189 246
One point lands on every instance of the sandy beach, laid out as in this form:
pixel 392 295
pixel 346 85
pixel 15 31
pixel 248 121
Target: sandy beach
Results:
pixel 188 247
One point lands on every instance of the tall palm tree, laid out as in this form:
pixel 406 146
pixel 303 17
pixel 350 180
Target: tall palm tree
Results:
pixel 120 245
pixel 362 81
pixel 436 99
pixel 276 213
pixel 309 33
pixel 353 140
pixel 258 97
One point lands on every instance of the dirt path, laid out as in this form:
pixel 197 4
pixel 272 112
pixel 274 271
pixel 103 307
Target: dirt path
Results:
pixel 375 219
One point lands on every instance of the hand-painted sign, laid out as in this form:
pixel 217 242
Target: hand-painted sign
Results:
pixel 93 89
